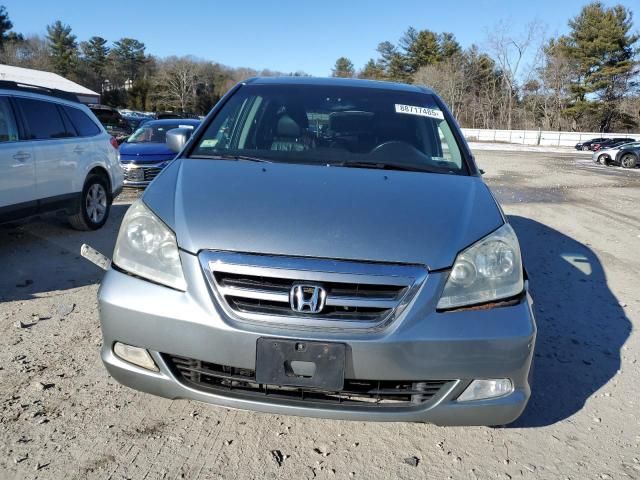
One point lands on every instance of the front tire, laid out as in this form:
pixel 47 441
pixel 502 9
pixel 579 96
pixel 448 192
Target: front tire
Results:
pixel 604 160
pixel 585 148
pixel 95 204
pixel 628 161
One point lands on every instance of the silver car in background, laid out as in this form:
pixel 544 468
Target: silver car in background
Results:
pixel 327 248
pixel 625 155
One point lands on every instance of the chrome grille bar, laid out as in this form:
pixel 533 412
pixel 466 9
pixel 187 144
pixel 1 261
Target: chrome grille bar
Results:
pixel 361 302
pixel 257 294
pixel 361 295
pixel 332 300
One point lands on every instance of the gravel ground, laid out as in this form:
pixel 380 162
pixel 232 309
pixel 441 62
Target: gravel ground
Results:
pixel 61 416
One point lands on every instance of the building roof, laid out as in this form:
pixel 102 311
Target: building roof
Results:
pixel 48 80
pixel 339 82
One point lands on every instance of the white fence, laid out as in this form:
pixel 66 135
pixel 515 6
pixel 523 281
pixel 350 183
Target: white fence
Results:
pixel 537 137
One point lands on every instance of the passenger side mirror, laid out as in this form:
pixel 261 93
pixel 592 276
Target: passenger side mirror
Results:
pixel 177 138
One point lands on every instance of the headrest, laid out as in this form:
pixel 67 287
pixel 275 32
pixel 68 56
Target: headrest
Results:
pixel 287 127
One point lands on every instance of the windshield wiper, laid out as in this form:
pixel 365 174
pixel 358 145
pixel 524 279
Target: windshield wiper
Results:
pixel 227 156
pixel 392 166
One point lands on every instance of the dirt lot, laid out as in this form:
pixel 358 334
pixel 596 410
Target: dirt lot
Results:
pixel 61 416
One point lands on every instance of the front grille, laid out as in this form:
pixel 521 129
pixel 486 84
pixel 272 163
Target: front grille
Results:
pixel 240 382
pixel 259 288
pixel 141 173
pixel 345 301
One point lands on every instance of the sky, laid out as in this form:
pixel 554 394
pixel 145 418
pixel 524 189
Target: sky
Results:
pixel 288 35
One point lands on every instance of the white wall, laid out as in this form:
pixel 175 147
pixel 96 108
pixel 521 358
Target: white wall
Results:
pixel 537 137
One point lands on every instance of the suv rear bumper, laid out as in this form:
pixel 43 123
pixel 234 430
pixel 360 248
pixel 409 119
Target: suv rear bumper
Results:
pixel 456 346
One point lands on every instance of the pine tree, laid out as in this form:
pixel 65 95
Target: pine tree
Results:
pixel 63 48
pixel 449 46
pixel 129 57
pixel 5 26
pixel 602 46
pixel 393 62
pixel 421 48
pixel 343 68
pixel 94 53
pixel 372 70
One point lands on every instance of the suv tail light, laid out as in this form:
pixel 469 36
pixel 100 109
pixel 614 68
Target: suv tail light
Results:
pixel 114 143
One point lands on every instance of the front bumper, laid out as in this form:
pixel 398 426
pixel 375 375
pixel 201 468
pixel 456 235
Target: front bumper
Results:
pixel 599 155
pixel 421 345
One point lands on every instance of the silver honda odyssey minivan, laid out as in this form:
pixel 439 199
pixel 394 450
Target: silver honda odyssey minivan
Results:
pixel 323 247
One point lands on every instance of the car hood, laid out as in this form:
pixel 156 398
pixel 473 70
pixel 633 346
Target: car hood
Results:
pixel 319 211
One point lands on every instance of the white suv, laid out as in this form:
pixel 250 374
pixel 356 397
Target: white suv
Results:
pixel 54 156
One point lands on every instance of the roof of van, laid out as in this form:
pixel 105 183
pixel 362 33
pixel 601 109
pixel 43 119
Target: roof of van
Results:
pixel 333 81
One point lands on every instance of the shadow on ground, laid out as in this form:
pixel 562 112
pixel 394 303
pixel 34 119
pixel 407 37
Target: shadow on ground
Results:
pixel 43 255
pixel 581 325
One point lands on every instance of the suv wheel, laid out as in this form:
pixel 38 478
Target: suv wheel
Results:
pixel 585 148
pixel 95 204
pixel 628 161
pixel 604 160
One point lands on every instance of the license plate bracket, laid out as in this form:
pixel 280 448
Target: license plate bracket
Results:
pixel 300 363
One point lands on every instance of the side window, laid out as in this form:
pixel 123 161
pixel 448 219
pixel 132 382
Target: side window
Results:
pixel 249 124
pixel 8 128
pixel 84 125
pixel 449 147
pixel 43 119
pixel 223 129
pixel 69 130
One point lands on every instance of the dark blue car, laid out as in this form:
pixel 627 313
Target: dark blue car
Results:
pixel 145 153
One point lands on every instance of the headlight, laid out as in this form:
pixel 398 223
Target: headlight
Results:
pixel 147 248
pixel 488 270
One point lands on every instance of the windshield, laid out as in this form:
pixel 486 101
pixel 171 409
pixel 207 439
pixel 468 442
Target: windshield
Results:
pixel 344 126
pixel 150 133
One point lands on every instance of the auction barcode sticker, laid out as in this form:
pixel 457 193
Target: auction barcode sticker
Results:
pixel 420 111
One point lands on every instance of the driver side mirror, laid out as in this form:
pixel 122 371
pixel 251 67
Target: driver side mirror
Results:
pixel 177 138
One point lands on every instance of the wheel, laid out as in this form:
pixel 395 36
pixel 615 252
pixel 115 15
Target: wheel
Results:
pixel 585 148
pixel 603 159
pixel 95 204
pixel 628 161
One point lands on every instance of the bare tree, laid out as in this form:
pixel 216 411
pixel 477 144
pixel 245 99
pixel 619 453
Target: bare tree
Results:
pixel 556 74
pixel 177 82
pixel 509 51
pixel 447 78
pixel 31 52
